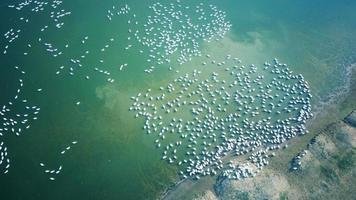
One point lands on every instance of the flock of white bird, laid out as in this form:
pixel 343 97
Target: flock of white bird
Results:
pixel 4 160
pixel 16 116
pixel 176 30
pixel 54 172
pixel 36 7
pixel 198 119
pixel 173 30
pixel 169 31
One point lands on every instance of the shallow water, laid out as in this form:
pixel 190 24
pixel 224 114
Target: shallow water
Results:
pixel 114 158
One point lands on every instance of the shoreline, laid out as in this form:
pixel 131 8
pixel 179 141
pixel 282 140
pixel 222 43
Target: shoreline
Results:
pixel 171 188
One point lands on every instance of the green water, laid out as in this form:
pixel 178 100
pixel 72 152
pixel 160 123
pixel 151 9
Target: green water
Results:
pixel 114 158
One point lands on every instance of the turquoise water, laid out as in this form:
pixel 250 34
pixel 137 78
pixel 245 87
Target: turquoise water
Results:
pixel 114 158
